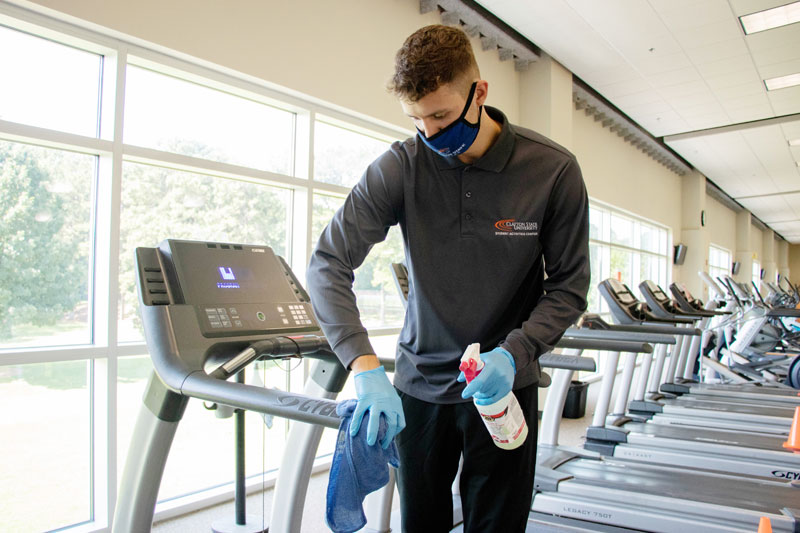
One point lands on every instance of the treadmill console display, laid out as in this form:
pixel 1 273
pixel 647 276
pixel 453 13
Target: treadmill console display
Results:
pixel 621 292
pixel 655 291
pixel 236 289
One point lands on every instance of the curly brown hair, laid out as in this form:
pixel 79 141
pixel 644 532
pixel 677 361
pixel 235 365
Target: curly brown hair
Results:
pixel 431 57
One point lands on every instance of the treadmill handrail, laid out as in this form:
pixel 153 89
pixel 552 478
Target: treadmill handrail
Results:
pixel 604 344
pixel 262 400
pixel 568 362
pixel 671 330
pixel 620 335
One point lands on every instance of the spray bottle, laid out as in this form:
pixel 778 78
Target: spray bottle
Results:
pixel 504 418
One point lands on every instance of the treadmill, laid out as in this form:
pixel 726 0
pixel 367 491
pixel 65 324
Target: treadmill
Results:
pixel 755 390
pixel 688 410
pixel 633 437
pixel 665 307
pixel 209 310
pixel 730 450
pixel 580 490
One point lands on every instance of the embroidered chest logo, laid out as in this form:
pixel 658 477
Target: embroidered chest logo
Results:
pixel 510 226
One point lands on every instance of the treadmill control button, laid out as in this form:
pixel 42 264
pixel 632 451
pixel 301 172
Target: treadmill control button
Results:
pixel 261 316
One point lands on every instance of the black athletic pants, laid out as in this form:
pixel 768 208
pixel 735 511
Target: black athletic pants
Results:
pixel 496 484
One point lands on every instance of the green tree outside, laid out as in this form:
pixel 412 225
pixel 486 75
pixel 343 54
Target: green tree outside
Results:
pixel 44 237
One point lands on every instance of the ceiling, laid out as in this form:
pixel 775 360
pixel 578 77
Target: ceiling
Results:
pixel 685 71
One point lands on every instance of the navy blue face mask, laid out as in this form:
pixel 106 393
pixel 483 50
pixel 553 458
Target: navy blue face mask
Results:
pixel 457 137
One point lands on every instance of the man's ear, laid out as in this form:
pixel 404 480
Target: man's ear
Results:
pixel 481 92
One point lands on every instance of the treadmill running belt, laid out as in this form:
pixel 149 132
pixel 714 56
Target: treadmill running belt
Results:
pixel 760 497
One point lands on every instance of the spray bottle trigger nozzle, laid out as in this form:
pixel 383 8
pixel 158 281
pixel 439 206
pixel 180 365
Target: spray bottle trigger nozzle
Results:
pixel 469 368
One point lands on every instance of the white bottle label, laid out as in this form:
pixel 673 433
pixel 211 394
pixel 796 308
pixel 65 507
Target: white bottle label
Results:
pixel 504 419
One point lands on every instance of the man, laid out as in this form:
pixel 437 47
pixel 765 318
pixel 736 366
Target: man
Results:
pixel 486 209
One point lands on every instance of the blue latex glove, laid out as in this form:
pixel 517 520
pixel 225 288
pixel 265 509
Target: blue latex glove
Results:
pixel 376 394
pixel 495 379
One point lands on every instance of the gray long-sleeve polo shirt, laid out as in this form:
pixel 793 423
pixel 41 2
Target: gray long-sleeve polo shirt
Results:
pixel 478 240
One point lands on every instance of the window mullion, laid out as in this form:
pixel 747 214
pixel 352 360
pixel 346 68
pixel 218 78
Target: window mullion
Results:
pixel 107 235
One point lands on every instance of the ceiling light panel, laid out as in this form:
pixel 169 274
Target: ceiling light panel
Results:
pixel 782 82
pixel 771 18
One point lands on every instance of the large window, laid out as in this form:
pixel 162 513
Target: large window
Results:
pixel 187 118
pixel 627 248
pixel 719 263
pixel 199 154
pixel 340 156
pixel 756 273
pixel 46 198
pixel 54 86
pixel 158 202
pixel 45 449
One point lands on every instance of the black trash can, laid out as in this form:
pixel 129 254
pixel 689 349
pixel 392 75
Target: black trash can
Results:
pixel 575 406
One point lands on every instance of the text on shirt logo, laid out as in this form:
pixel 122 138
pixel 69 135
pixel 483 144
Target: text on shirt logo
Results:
pixel 510 226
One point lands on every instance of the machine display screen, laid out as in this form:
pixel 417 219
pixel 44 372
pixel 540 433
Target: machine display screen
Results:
pixel 656 291
pixel 621 292
pixel 233 274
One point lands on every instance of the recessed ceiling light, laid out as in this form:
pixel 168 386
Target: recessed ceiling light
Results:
pixel 781 82
pixel 771 18
pixel 794 142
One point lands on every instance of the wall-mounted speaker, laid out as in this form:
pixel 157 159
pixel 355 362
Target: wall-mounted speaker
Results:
pixel 680 254
pixel 735 267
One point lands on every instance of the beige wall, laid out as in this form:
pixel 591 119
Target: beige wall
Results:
pixel 618 174
pixel 721 225
pixel 794 262
pixel 757 244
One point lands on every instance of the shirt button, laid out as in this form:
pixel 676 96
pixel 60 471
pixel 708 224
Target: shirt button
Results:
pixel 468 216
pixel 468 194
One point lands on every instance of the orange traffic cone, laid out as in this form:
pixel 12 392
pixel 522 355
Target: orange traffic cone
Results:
pixel 793 442
pixel 764 525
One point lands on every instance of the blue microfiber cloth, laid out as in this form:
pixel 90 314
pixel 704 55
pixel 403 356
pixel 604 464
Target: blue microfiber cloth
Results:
pixel 357 470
